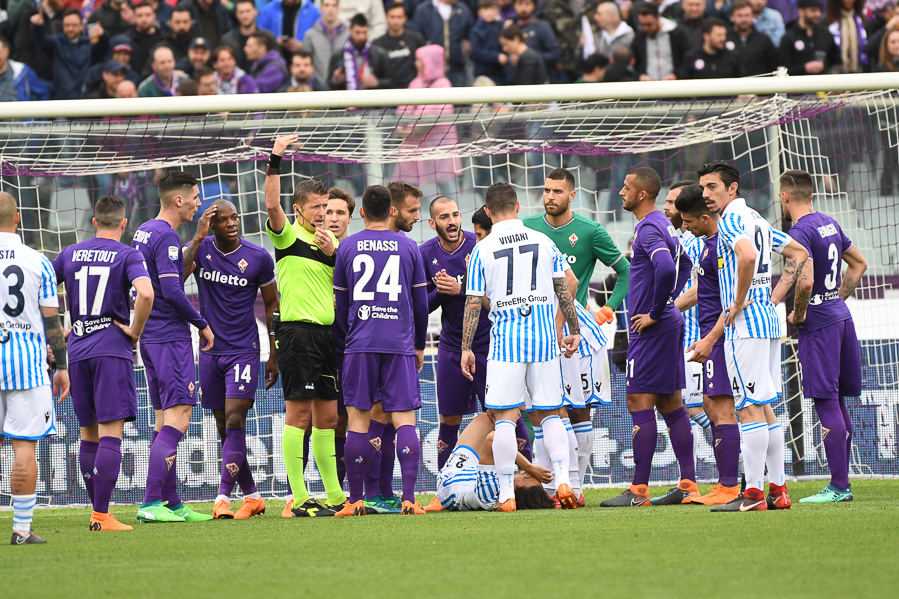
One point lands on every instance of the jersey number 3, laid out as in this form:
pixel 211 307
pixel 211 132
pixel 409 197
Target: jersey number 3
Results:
pixel 15 291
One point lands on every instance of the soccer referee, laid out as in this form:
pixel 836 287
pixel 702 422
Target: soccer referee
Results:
pixel 305 257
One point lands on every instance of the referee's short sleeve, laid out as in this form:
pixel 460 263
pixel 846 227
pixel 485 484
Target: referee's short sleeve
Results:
pixel 283 238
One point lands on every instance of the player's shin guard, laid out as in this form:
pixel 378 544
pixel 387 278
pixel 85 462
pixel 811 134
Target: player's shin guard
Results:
pixel 408 452
pixel 583 432
pixel 161 462
pixel 106 469
pixel 234 453
pixel 373 466
pixel 87 454
pixel 524 439
pixel 447 435
pixel 358 453
pixel 573 471
pixel 847 420
pixel 833 429
pixel 505 450
pixel 644 434
pixel 326 460
pixel 727 454
pixel 774 457
pixel 292 447
pixel 680 433
pixel 755 449
pixel 388 461
pixel 555 437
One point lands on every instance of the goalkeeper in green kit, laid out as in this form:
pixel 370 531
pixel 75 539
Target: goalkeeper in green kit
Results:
pixel 582 242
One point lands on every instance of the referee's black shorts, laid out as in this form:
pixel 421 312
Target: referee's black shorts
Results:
pixel 307 361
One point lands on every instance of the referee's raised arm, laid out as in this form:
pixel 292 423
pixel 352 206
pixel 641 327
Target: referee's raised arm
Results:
pixel 276 217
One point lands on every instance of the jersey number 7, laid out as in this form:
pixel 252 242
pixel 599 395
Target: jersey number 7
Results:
pixel 509 253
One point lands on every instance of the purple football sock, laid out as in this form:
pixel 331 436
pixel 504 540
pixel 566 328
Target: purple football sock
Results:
pixel 373 465
pixel 680 431
pixel 833 429
pixel 107 466
pixel 245 479
pixel 408 452
pixel 358 451
pixel 447 435
pixel 388 461
pixel 524 439
pixel 234 456
pixel 339 443
pixel 86 458
pixel 644 441
pixel 307 440
pixel 715 449
pixel 162 464
pixel 847 420
pixel 728 454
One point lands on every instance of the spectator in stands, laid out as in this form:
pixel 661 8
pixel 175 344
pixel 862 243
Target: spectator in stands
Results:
pixel 181 31
pixel 325 37
pixel 613 33
pixel 507 9
pixel 205 78
pixel 593 68
pixel 73 51
pixel 525 66
pixel 659 46
pixel 245 14
pixel 29 52
pixel 788 9
pixel 884 18
pixel 807 48
pixel 199 54
pixel 18 82
pixel 121 51
pixel 211 17
pixel 400 45
pixel 621 66
pixel 302 73
pixel 373 11
pixel 846 23
pixel 145 35
pixel 539 36
pixel 889 52
pixel 163 82
pixel 486 53
pixel 565 17
pixel 288 21
pixel 690 21
pixel 755 50
pixel 767 20
pixel 113 74
pixel 126 89
pixel 230 78
pixel 267 68
pixel 432 19
pixel 188 87
pixel 359 64
pixel 116 16
pixel 163 12
pixel 713 60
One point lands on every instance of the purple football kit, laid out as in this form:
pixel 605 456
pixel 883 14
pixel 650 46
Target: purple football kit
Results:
pixel 165 345
pixel 98 275
pixel 708 300
pixel 228 285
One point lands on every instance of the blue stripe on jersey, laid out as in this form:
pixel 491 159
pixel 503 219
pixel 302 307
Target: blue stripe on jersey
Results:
pixel 518 338
pixel 592 337
pixel 48 285
pixel 693 247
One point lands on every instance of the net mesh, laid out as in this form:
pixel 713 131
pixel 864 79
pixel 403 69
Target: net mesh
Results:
pixel 849 141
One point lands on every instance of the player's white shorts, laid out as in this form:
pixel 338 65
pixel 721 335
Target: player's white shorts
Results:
pixel 692 394
pixel 463 484
pixel 753 366
pixel 534 385
pixel 586 379
pixel 27 413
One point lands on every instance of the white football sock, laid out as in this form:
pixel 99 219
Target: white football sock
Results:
pixel 542 458
pixel 555 438
pixel 222 498
pixel 505 450
pixel 572 458
pixel 583 431
pixel 774 458
pixel 22 511
pixel 697 434
pixel 754 450
pixel 256 495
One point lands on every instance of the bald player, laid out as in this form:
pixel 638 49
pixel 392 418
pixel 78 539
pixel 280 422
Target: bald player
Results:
pixel 229 271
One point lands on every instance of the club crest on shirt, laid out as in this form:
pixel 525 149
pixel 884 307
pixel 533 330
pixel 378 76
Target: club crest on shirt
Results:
pixel 705 253
pixel 173 252
pixel 242 265
pixel 190 387
pixel 572 240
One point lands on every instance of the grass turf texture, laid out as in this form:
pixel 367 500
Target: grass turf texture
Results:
pixel 849 549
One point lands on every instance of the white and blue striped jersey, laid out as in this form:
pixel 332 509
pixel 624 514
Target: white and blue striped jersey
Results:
pixel 592 337
pixel 759 319
pixel 27 283
pixel 693 247
pixel 514 267
pixel 463 484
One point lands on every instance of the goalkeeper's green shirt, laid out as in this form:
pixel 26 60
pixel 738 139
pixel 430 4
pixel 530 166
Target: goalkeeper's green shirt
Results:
pixel 583 242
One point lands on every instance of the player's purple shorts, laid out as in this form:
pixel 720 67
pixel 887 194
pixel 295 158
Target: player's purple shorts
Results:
pixel 456 395
pixel 714 373
pixel 656 364
pixel 341 407
pixel 227 377
pixel 831 362
pixel 170 374
pixel 392 378
pixel 103 390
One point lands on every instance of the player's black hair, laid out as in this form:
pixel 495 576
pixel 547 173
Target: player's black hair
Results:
pixel 799 184
pixel 376 202
pixel 400 190
pixel 481 219
pixel 438 200
pixel 681 183
pixel 173 182
pixel 725 170
pixel 359 20
pixel 647 179
pixel 307 188
pixel 501 198
pixel 690 201
pixel 109 212
pixel 533 498
pixel 559 174
pixel 712 22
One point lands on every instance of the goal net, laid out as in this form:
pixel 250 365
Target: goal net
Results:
pixel 57 168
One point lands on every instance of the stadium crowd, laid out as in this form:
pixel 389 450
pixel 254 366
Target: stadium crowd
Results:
pixel 68 49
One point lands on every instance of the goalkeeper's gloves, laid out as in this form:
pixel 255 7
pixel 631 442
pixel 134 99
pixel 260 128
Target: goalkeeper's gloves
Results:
pixel 604 315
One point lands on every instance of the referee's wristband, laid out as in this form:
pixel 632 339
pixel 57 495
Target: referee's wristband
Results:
pixel 274 165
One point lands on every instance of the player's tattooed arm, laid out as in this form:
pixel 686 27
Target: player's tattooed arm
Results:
pixel 856 267
pixel 470 320
pixel 566 305
pixel 804 285
pixel 55 337
pixel 795 257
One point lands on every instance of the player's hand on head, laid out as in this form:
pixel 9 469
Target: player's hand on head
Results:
pixel 419 359
pixel 61 384
pixel 640 322
pixel 468 364
pixel 209 337
pixel 324 242
pixel 205 220
pixel 282 142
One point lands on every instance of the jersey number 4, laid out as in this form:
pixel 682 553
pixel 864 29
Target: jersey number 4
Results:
pixel 509 253
pixel 388 282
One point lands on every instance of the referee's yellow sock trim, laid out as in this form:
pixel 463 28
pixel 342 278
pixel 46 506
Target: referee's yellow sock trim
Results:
pixel 292 447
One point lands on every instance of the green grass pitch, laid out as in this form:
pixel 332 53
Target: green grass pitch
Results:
pixel 842 550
